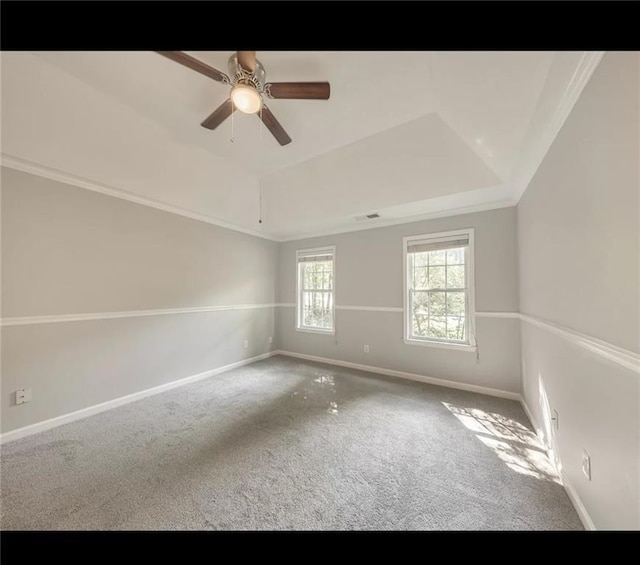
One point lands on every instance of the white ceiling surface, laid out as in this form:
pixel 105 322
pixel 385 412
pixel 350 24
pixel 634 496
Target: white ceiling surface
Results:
pixel 403 134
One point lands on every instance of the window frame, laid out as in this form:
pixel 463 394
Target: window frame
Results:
pixel 470 318
pixel 326 250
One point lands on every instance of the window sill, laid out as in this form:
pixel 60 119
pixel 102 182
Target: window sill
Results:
pixel 316 331
pixel 442 345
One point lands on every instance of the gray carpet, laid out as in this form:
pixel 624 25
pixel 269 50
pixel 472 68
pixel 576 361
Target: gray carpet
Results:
pixel 284 444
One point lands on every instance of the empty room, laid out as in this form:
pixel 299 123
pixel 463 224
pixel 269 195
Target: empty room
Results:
pixel 295 290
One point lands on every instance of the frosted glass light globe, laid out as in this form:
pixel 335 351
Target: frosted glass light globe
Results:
pixel 246 98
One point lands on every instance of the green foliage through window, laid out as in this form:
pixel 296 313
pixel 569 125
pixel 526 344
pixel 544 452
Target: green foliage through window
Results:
pixel 438 294
pixel 316 294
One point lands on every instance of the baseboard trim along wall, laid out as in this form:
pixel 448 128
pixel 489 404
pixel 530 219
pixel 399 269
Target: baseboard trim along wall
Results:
pixel 586 520
pixel 580 508
pixel 109 404
pixel 403 375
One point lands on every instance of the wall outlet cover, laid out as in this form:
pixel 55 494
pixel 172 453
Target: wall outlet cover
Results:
pixel 23 395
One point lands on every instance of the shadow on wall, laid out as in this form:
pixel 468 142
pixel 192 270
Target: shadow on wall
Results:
pixel 518 447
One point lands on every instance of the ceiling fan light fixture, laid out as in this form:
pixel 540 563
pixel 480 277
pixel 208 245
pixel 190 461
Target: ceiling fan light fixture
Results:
pixel 246 98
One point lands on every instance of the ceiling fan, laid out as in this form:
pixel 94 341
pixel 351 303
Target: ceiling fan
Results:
pixel 247 78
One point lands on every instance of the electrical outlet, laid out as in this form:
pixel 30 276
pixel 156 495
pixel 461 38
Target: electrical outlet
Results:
pixel 555 420
pixel 270 339
pixel 366 349
pixel 246 344
pixel 23 395
pixel 586 464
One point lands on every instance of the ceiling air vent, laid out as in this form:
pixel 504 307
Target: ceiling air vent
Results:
pixel 368 217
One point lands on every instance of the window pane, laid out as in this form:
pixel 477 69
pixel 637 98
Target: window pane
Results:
pixel 307 275
pixel 437 257
pixel 317 275
pixel 420 327
pixel 316 294
pixel 436 312
pixel 438 327
pixel 317 309
pixel 455 276
pixel 455 303
pixel 327 280
pixel 455 256
pixel 437 277
pixel 420 302
pixel 437 304
pixel 420 277
pixel 327 318
pixel 420 259
pixel 455 328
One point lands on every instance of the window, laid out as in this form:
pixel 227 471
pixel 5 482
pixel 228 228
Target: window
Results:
pixel 439 297
pixel 316 282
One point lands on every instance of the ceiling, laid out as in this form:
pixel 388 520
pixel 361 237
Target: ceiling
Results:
pixel 409 133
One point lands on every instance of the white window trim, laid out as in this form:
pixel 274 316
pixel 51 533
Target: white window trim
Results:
pixel 469 281
pixel 306 253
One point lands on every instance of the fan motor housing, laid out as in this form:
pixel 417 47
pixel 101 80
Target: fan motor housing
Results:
pixel 239 76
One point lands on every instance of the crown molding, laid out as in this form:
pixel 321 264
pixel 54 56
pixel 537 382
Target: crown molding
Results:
pixel 585 68
pixel 26 166
pixel 405 220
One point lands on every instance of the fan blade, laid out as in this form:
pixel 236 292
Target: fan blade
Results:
pixel 299 90
pixel 273 125
pixel 247 60
pixel 219 115
pixel 195 64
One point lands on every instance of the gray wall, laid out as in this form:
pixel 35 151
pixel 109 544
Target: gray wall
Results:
pixel 67 250
pixel 578 262
pixel 369 273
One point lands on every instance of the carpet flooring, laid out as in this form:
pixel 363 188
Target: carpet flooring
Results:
pixel 287 444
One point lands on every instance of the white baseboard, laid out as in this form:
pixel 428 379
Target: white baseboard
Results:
pixel 97 408
pixel 411 376
pixel 529 414
pixel 586 520
pixel 102 407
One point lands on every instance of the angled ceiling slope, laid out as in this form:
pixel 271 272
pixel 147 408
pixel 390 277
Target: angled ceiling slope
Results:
pixel 468 133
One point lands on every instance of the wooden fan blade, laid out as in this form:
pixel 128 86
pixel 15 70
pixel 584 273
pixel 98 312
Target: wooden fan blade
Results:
pixel 273 125
pixel 195 64
pixel 299 90
pixel 247 60
pixel 219 115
